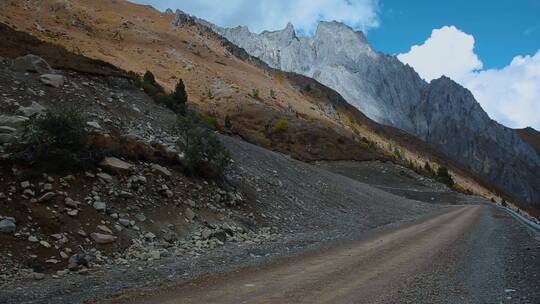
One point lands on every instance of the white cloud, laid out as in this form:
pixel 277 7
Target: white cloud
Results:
pixel 448 52
pixel 510 95
pixel 261 15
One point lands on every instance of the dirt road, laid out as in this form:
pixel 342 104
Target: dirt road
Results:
pixel 379 269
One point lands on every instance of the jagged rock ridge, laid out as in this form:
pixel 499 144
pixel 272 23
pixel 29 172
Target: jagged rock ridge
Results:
pixel 442 112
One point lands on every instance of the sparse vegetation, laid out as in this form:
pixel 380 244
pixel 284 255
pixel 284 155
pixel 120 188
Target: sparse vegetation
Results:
pixel 272 94
pixel 444 177
pixel 176 101
pixel 228 123
pixel 209 94
pixel 204 154
pixel 364 143
pixel 255 93
pixel 57 139
pixel 280 126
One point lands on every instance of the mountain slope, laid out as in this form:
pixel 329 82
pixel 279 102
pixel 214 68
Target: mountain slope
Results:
pixel 442 112
pixel 224 80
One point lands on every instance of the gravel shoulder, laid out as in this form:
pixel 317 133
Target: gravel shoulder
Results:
pixel 457 256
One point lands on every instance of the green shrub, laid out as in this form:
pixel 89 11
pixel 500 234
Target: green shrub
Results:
pixel 209 94
pixel 255 93
pixel 150 88
pixel 208 120
pixel 280 126
pixel 204 154
pixel 364 143
pixel 272 94
pixel 56 139
pixel 149 78
pixel 179 96
pixel 176 101
pixel 444 177
pixel 228 123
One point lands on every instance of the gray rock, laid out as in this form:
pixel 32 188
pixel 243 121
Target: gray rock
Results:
pixel 101 238
pixel 124 222
pixel 105 177
pixel 7 225
pixel 16 122
pixel 7 138
pixel 100 206
pixel 52 80
pixel 7 130
pixel 46 197
pixel 161 169
pixel 31 63
pixel 94 125
pixel 78 260
pixel 115 165
pixel 34 109
pixel 189 214
pixel 71 203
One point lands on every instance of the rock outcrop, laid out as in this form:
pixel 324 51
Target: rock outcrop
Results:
pixel 442 112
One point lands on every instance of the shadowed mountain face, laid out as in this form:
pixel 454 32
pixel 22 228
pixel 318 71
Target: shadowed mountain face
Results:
pixel 442 112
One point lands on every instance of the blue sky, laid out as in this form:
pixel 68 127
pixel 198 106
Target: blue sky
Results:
pixel 502 28
pixel 491 47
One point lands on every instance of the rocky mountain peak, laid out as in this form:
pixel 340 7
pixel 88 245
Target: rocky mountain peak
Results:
pixel 442 112
pixel 339 31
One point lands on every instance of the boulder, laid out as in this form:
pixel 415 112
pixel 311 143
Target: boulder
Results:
pixel 115 165
pixel 101 238
pixel 53 80
pixel 31 63
pixel 7 225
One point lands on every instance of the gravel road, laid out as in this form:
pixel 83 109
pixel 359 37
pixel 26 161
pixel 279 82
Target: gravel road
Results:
pixel 464 254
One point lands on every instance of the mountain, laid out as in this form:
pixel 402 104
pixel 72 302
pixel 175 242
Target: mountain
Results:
pixel 442 112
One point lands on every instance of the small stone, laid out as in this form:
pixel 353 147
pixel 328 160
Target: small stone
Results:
pixel 103 238
pixel 124 222
pixel 149 236
pixel 29 192
pixel 155 254
pixel 7 225
pixel 46 197
pixel 105 177
pixel 71 203
pixel 115 165
pixel 94 124
pixel 47 187
pixel 160 169
pixel 189 214
pixel 63 255
pixel 140 217
pixel 52 80
pixel 167 193
pixel 37 276
pixel 73 212
pixel 33 239
pixel 25 184
pixel 100 206
pixel 45 244
pixel 105 229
